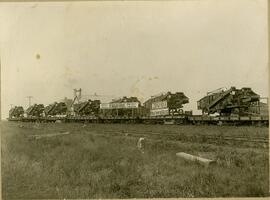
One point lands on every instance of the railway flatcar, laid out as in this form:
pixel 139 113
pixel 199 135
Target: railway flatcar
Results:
pixel 35 110
pixel 56 109
pixel 166 104
pixel 16 112
pixel 229 102
pixel 123 107
pixel 87 108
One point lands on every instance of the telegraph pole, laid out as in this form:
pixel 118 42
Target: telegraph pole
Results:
pixel 29 100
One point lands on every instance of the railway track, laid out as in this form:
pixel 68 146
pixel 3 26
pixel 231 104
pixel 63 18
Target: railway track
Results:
pixel 201 138
pixel 193 138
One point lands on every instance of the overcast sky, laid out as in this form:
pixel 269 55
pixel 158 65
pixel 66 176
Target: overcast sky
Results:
pixel 131 48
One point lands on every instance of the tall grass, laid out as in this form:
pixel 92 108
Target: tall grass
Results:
pixel 85 165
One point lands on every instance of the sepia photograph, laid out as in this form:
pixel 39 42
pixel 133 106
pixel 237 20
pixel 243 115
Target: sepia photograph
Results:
pixel 134 99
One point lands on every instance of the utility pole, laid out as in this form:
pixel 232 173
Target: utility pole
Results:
pixel 29 100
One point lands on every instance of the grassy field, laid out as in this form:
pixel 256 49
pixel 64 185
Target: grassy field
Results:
pixel 91 163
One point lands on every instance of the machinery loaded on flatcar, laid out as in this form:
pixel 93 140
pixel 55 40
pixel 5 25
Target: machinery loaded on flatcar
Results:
pixel 87 108
pixel 227 106
pixel 230 102
pixel 16 112
pixel 56 109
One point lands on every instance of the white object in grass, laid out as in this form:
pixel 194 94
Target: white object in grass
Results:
pixel 195 158
pixel 140 143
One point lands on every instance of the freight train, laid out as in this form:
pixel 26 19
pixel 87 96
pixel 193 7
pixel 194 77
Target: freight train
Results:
pixel 233 106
